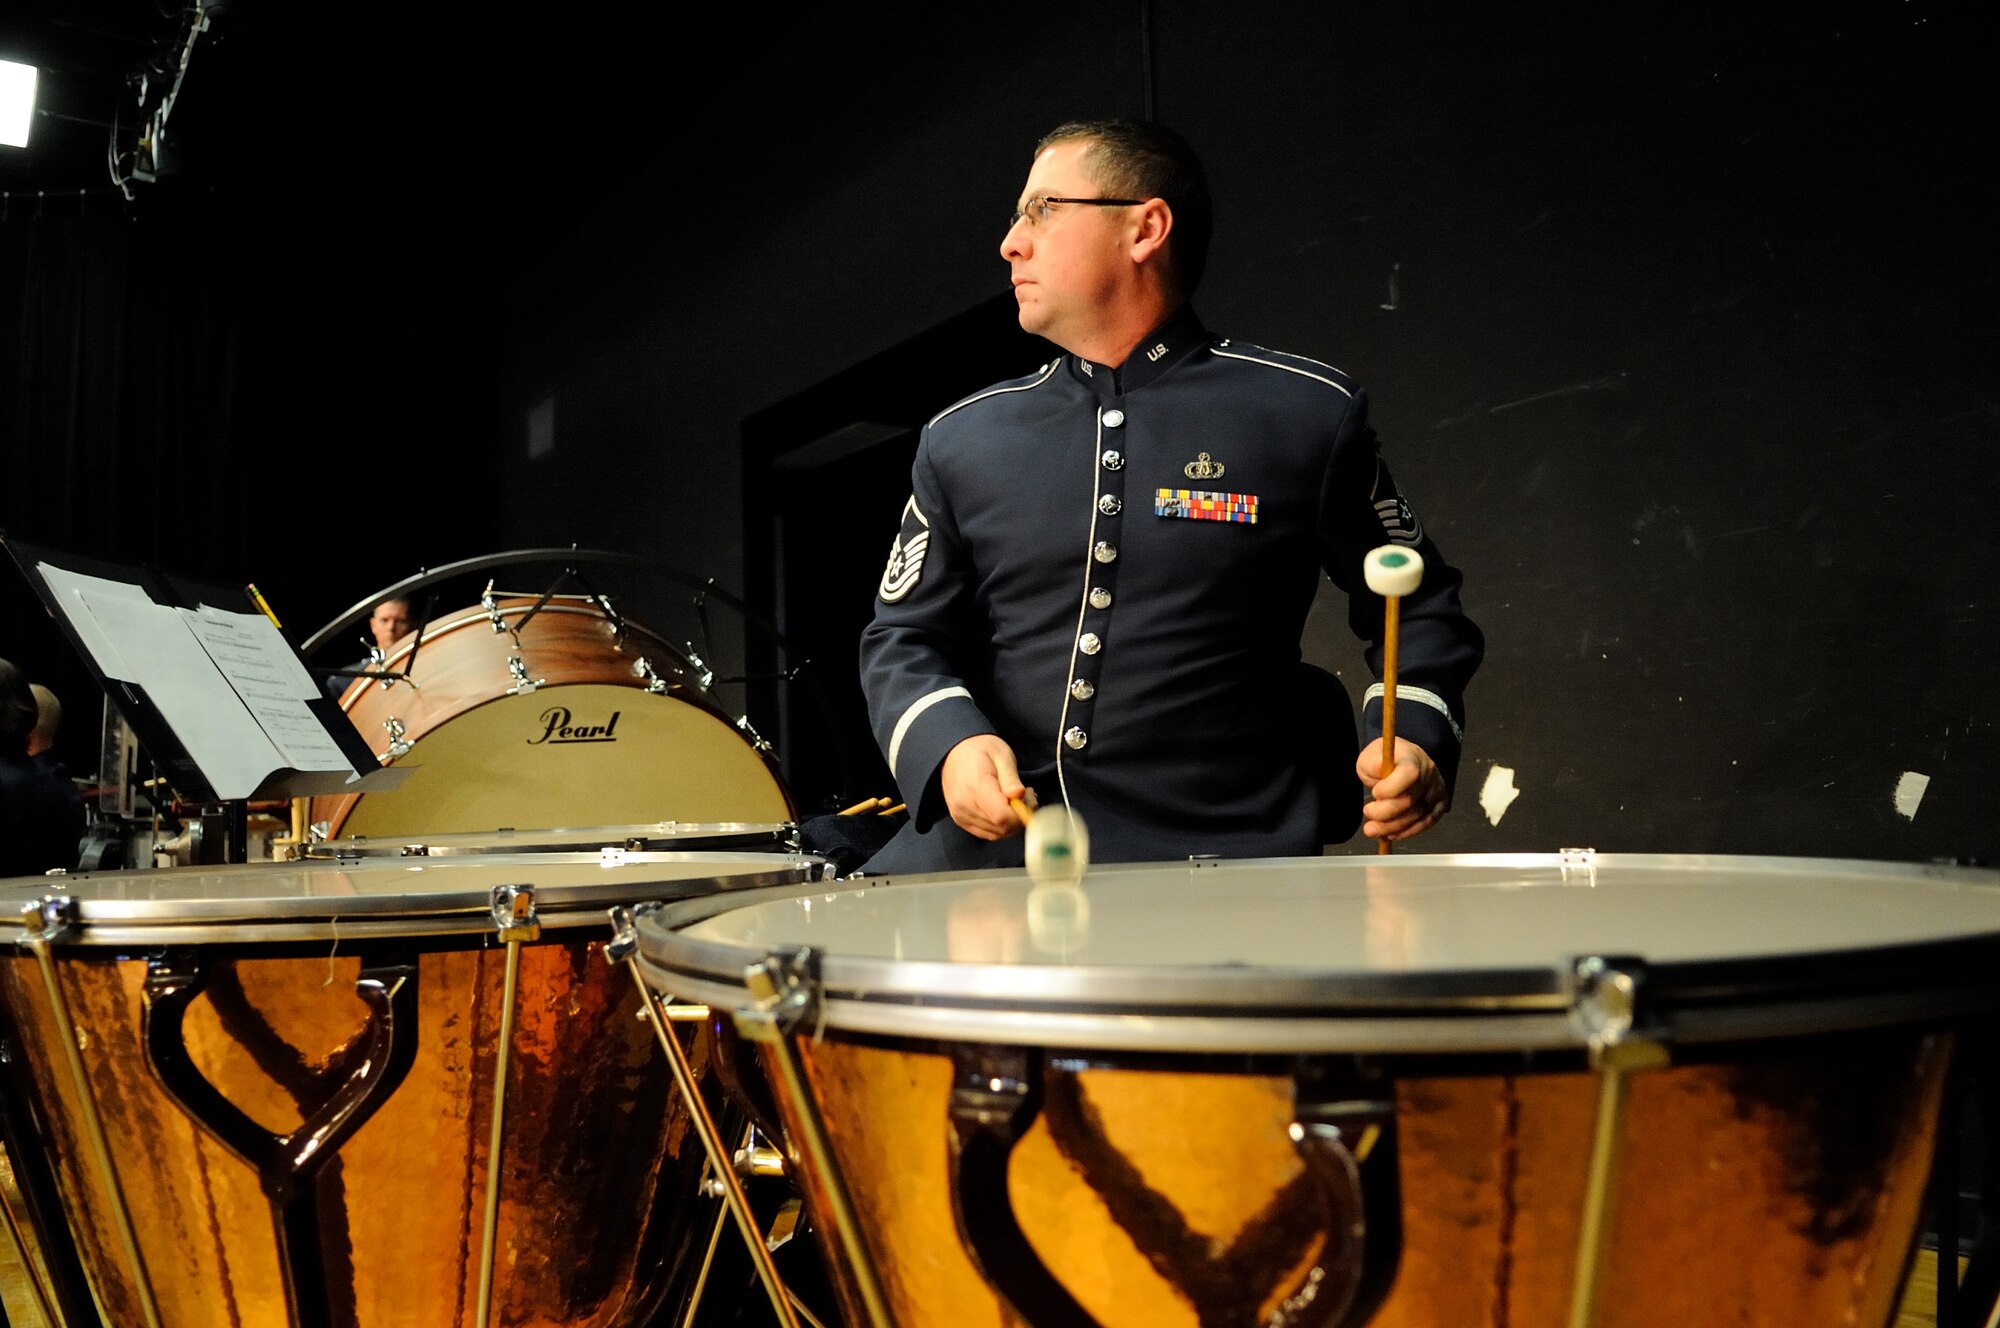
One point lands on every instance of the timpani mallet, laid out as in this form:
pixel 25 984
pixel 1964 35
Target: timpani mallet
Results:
pixel 1392 571
pixel 1057 854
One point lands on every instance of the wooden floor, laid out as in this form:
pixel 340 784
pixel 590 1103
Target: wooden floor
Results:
pixel 17 1293
pixel 1918 1309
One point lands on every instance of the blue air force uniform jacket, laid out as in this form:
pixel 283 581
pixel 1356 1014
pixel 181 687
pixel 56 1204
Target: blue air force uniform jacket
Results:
pixel 1111 570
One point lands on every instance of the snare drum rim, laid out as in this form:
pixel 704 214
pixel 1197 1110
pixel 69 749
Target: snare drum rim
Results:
pixel 441 911
pixel 1219 1008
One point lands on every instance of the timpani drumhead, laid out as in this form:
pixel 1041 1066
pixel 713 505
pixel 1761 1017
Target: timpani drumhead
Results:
pixel 1442 952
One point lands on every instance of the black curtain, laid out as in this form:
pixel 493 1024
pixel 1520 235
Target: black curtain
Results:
pixel 207 383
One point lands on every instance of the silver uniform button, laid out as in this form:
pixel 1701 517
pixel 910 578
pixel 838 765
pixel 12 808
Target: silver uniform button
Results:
pixel 1105 553
pixel 1100 598
pixel 1089 644
pixel 1109 504
pixel 1082 690
pixel 1113 459
pixel 1113 418
pixel 1076 738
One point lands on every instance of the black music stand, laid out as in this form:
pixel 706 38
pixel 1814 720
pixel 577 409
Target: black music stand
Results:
pixel 212 689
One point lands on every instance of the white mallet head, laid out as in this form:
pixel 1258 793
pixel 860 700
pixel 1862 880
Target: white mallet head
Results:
pixel 1393 570
pixel 1058 847
pixel 1058 854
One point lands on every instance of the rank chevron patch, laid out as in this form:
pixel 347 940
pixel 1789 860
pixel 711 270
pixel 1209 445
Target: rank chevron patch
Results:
pixel 1393 510
pixel 906 554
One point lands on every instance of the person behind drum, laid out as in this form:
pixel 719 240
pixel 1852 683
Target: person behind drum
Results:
pixel 392 620
pixel 1104 567
pixel 41 810
pixel 48 722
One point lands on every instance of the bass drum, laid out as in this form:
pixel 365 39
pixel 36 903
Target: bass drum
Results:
pixel 534 718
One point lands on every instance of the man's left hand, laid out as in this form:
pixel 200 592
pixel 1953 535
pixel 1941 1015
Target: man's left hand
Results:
pixel 1405 802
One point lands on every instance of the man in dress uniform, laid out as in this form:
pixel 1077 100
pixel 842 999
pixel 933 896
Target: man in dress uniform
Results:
pixel 1097 592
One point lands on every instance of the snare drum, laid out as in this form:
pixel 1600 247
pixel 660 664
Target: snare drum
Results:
pixel 567 717
pixel 1641 1091
pixel 266 1093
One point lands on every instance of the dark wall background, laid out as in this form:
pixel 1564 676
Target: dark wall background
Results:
pixel 1678 325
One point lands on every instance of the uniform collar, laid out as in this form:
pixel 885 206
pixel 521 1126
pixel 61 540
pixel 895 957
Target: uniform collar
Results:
pixel 1158 351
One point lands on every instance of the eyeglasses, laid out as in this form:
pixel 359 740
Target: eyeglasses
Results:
pixel 1036 209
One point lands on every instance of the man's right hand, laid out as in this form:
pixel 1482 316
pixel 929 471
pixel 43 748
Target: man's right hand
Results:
pixel 978 779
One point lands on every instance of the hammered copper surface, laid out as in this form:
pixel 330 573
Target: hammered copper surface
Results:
pixel 584 666
pixel 1781 1189
pixel 599 1220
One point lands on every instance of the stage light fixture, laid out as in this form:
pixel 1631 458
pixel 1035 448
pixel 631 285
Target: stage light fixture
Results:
pixel 17 102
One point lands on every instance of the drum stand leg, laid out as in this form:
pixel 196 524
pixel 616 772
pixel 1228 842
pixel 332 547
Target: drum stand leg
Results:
pixel 28 1253
pixel 100 1148
pixel 722 1220
pixel 287 1165
pixel 624 949
pixel 707 1263
pixel 48 1252
pixel 514 917
pixel 785 989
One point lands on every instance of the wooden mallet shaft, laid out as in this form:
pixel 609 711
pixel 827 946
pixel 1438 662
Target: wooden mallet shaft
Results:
pixel 1390 624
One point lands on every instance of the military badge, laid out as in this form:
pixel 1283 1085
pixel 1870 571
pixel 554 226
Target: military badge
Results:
pixel 1204 505
pixel 1204 467
pixel 906 554
pixel 1398 518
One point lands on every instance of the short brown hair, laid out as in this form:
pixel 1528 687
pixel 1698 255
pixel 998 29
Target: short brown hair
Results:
pixel 1142 159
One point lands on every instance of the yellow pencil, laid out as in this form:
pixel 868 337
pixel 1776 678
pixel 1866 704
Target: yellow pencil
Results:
pixel 258 596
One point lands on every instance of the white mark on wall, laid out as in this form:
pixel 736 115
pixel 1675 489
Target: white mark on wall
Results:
pixel 1498 794
pixel 1909 792
pixel 542 427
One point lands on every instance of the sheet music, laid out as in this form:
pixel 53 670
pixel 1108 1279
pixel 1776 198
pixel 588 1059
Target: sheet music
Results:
pixel 75 589
pixel 272 681
pixel 221 736
pixel 230 686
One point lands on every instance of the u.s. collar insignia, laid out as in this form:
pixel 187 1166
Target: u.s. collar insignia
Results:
pixel 906 554
pixel 1203 467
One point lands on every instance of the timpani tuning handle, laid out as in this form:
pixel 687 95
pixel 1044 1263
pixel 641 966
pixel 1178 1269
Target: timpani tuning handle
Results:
pixel 996 1095
pixel 1345 1133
